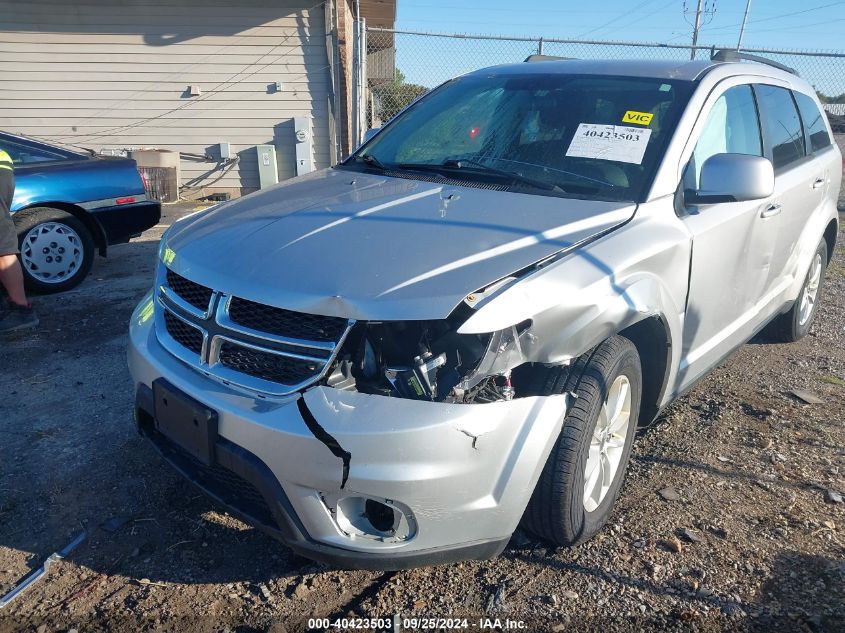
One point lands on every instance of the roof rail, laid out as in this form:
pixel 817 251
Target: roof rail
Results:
pixel 544 58
pixel 731 55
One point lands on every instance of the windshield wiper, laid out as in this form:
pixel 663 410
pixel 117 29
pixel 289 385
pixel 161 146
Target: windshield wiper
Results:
pixel 461 163
pixel 371 161
pixel 480 168
pixel 560 171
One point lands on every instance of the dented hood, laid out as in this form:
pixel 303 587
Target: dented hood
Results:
pixel 361 246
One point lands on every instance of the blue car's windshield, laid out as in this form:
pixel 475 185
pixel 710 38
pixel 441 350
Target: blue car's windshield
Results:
pixel 588 136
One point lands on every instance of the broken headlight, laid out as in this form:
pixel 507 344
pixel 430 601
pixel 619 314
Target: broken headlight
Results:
pixel 429 360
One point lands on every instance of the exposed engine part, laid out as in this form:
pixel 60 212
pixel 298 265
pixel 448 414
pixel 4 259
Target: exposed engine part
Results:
pixel 429 360
pixel 491 389
pixel 419 381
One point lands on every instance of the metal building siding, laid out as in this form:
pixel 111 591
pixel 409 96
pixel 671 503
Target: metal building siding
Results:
pixel 114 73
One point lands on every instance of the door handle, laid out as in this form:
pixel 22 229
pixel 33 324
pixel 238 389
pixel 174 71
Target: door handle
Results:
pixel 771 211
pixel 818 183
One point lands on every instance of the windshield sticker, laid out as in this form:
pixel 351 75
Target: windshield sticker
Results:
pixel 638 118
pixel 609 142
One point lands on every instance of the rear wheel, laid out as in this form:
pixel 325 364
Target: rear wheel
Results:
pixel 795 324
pixel 57 249
pixel 582 478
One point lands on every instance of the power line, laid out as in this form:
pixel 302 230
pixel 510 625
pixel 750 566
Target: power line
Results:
pixel 617 18
pixel 780 16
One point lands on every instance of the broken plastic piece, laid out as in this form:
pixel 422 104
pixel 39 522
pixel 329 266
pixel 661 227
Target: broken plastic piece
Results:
pixel 35 576
pixel 504 352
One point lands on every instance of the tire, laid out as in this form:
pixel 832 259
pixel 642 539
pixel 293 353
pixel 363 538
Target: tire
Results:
pixel 558 510
pixel 57 249
pixel 795 324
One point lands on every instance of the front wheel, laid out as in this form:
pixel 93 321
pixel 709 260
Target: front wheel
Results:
pixel 585 470
pixel 57 249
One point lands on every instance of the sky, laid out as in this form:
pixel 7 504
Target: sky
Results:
pixel 810 24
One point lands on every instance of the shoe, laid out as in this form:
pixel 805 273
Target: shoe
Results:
pixel 16 317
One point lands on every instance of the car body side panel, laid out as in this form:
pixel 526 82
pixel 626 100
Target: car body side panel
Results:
pixel 830 161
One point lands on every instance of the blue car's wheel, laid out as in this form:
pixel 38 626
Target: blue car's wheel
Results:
pixel 57 249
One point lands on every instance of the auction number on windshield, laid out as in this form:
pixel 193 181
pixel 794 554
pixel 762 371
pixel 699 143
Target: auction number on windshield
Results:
pixel 613 135
pixel 618 143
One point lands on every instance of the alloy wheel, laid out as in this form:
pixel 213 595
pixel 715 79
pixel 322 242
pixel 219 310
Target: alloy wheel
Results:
pixel 607 444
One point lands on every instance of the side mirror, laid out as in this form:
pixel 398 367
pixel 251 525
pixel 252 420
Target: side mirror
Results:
pixel 733 178
pixel 370 134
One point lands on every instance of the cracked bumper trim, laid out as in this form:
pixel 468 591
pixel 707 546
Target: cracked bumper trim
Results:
pixel 286 526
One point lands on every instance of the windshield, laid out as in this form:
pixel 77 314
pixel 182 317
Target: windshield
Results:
pixel 589 136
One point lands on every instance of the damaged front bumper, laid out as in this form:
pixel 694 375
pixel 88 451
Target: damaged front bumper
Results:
pixel 359 480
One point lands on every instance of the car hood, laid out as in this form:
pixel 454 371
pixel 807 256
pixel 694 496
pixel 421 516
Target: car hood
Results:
pixel 350 244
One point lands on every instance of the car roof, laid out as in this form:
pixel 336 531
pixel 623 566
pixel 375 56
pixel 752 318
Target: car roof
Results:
pixel 645 68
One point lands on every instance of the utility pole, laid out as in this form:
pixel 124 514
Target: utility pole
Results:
pixel 742 28
pixel 696 28
pixel 704 12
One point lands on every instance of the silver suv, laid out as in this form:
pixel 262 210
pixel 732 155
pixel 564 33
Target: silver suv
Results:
pixel 396 361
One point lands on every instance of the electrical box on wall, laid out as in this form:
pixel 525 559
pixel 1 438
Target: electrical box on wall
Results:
pixel 303 145
pixel 268 173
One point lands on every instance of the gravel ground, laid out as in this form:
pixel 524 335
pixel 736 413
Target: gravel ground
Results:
pixel 729 518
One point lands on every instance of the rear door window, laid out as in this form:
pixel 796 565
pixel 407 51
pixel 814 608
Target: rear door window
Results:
pixel 781 125
pixel 814 125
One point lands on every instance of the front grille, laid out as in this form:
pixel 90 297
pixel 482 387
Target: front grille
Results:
pixel 266 366
pixel 243 343
pixel 298 325
pixel 197 295
pixel 184 334
pixel 229 487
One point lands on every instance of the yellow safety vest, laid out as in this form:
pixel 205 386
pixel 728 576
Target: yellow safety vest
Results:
pixel 6 161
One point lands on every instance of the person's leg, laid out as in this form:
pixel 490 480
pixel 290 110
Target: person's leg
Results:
pixel 17 313
pixel 11 276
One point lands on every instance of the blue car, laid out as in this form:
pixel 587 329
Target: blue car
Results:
pixel 68 205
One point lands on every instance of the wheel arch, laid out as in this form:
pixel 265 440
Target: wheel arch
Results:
pixel 80 214
pixel 830 234
pixel 651 336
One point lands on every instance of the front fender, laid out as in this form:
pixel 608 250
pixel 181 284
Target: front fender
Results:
pixel 637 272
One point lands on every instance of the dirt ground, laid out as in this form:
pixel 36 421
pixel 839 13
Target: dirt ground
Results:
pixel 729 518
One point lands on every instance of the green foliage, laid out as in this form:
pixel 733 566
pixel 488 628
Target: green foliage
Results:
pixel 840 98
pixel 393 97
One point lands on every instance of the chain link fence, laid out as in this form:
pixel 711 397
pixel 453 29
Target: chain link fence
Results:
pixel 401 65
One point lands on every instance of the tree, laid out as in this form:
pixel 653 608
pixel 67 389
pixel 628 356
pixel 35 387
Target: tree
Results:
pixel 840 98
pixel 392 97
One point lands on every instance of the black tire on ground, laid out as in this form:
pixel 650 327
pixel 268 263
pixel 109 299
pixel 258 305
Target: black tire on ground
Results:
pixel 556 511
pixel 29 219
pixel 787 327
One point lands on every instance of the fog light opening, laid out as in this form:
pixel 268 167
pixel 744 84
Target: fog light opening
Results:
pixel 377 519
pixel 380 516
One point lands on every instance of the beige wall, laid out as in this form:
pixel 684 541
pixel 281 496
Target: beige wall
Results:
pixel 114 73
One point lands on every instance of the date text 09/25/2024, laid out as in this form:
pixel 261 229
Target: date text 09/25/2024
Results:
pixel 397 623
